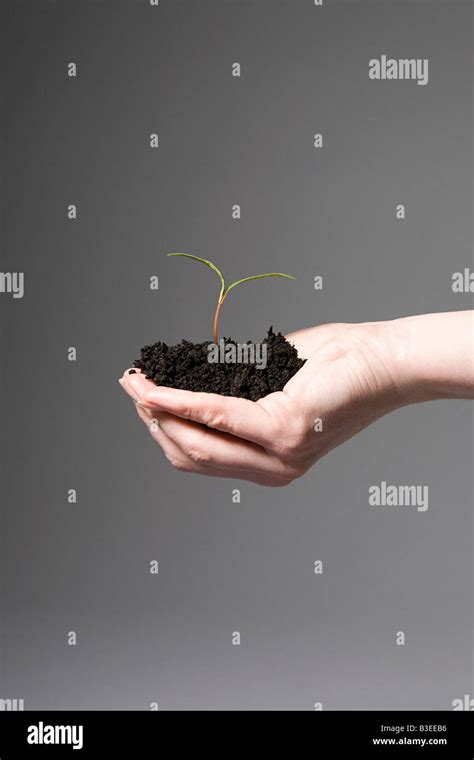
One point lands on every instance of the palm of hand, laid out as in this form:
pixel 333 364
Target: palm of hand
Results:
pixel 276 439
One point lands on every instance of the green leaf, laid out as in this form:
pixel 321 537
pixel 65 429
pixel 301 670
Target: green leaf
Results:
pixel 207 263
pixel 257 277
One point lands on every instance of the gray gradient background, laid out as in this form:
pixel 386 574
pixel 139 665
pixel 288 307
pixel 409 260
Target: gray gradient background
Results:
pixel 227 567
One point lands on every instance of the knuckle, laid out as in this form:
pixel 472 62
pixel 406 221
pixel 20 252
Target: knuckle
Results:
pixel 198 455
pixel 293 444
pixel 283 481
pixel 289 443
pixel 292 472
pixel 213 417
pixel 179 464
pixel 217 420
pixel 288 471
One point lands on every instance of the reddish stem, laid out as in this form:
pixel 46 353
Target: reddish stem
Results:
pixel 216 317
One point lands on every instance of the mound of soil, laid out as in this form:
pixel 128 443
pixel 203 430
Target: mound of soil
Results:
pixel 187 366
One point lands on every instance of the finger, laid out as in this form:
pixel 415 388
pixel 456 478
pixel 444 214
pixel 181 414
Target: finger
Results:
pixel 239 417
pixel 311 339
pixel 182 462
pixel 172 452
pixel 328 352
pixel 125 384
pixel 216 449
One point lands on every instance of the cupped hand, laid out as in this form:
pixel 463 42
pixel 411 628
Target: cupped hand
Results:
pixel 345 384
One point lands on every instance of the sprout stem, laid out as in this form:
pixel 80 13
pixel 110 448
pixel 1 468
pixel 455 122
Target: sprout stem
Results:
pixel 226 288
pixel 216 317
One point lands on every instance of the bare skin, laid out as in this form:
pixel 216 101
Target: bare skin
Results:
pixel 354 374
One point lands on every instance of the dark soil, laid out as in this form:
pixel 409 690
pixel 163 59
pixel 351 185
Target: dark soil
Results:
pixel 186 366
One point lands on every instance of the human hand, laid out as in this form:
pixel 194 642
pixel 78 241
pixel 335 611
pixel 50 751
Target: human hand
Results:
pixel 344 385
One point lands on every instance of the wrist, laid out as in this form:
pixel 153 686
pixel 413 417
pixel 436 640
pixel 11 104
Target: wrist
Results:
pixel 379 346
pixel 430 356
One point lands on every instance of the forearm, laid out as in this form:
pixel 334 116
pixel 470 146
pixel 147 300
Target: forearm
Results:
pixel 431 356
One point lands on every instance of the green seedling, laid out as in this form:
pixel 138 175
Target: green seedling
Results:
pixel 225 289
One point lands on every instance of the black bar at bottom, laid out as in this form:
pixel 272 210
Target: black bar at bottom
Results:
pixel 107 734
